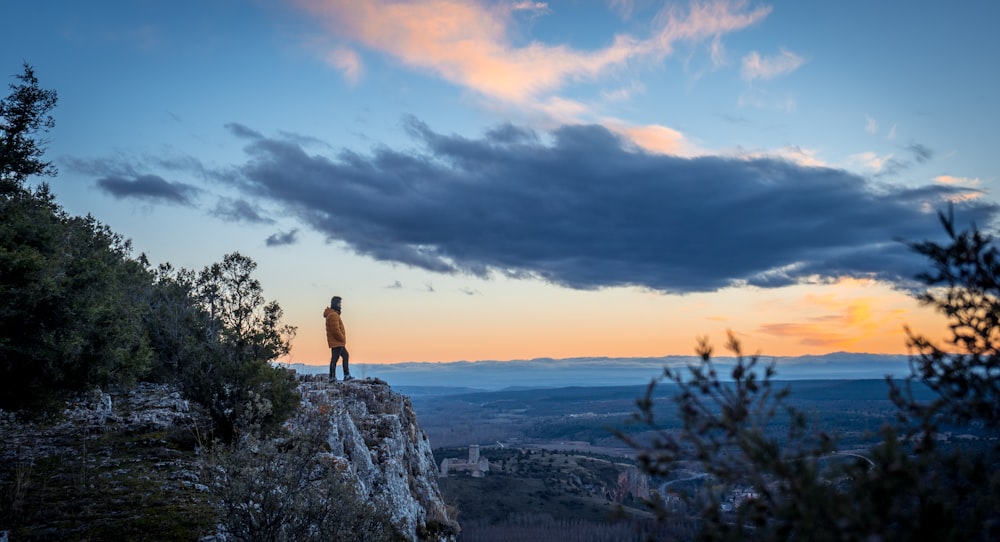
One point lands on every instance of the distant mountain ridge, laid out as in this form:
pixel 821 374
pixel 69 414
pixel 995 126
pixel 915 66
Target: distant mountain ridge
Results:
pixel 604 371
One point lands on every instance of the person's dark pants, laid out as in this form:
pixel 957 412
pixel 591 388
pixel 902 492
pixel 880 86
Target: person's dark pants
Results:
pixel 336 353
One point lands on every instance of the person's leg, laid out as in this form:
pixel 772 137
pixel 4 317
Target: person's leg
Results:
pixel 334 355
pixel 346 356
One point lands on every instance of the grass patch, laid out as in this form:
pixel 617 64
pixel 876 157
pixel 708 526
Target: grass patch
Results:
pixel 112 486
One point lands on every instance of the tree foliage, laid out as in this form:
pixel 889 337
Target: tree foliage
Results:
pixel 214 335
pixel 964 285
pixel 769 474
pixel 23 115
pixel 80 312
pixel 72 312
pixel 229 370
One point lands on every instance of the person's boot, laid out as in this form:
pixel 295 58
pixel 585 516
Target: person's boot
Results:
pixel 348 377
pixel 333 379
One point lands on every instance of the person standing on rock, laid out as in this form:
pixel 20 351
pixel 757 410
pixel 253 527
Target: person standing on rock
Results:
pixel 336 338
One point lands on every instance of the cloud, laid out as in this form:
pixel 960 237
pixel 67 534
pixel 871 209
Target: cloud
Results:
pixel 283 238
pixel 478 46
pixel 129 178
pixel 347 61
pixel 655 138
pixel 623 7
pixel 965 186
pixel 889 164
pixel 843 324
pixel 472 44
pixel 537 8
pixel 758 67
pixel 240 211
pixel 791 153
pixel 948 179
pixel 624 93
pixel 921 153
pixel 871 125
pixel 580 207
pixel 872 161
pixel 148 187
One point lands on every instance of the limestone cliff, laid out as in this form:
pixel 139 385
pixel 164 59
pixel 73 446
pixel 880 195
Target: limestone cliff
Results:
pixel 127 465
pixel 631 483
pixel 374 434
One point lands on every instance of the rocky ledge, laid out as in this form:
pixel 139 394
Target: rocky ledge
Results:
pixel 374 435
pixel 127 465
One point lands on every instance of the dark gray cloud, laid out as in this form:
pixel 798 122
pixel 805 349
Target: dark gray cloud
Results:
pixel 581 208
pixel 148 187
pixel 129 178
pixel 921 153
pixel 238 210
pixel 283 238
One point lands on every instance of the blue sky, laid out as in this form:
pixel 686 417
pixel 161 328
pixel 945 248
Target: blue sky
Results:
pixel 508 180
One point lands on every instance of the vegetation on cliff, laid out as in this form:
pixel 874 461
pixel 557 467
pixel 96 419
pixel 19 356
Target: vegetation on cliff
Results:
pixel 80 312
pixel 83 322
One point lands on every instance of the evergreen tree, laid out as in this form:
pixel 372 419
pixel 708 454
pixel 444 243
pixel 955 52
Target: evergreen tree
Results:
pixel 71 313
pixel 24 114
pixel 215 336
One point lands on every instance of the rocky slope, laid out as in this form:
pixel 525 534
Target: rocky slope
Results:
pixel 373 432
pixel 129 465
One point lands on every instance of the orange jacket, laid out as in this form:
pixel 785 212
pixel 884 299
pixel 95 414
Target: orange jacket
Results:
pixel 336 335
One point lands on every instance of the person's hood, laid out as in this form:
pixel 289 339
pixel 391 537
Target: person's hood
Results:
pixel 327 311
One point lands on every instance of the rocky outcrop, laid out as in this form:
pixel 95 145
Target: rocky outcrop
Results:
pixel 631 483
pixel 374 435
pixel 115 466
pixel 107 446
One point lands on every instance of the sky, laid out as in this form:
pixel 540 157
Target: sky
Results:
pixel 500 180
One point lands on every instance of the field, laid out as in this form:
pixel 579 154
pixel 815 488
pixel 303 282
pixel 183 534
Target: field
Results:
pixel 587 416
pixel 544 494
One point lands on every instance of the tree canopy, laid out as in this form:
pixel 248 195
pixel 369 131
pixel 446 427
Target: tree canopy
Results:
pixel 81 312
pixel 24 115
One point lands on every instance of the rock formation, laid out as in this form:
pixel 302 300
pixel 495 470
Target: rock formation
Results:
pixel 374 434
pixel 631 483
pixel 152 435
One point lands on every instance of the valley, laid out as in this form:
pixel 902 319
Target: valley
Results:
pixel 556 465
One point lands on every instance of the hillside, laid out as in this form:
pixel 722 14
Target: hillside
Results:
pixel 535 491
pixel 131 465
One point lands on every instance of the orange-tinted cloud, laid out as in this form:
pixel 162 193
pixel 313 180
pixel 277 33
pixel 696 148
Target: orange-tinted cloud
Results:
pixel 468 43
pixel 951 180
pixel 756 66
pixel 655 138
pixel 347 61
pixel 794 154
pixel 845 323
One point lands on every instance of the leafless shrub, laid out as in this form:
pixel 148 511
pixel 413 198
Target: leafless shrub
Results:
pixel 291 490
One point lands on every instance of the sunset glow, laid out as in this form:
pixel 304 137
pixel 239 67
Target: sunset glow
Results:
pixel 499 180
